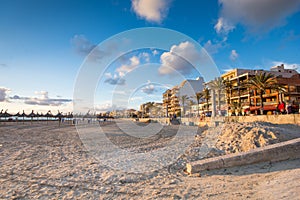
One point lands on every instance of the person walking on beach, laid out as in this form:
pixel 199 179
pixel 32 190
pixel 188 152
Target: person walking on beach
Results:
pixel 289 108
pixel 281 107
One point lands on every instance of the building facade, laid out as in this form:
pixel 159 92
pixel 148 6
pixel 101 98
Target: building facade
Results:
pixel 172 98
pixel 151 109
pixel 242 97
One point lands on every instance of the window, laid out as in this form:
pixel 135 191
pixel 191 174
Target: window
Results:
pixel 292 88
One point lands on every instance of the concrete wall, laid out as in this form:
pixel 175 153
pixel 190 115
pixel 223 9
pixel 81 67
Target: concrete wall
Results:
pixel 275 119
pixel 272 153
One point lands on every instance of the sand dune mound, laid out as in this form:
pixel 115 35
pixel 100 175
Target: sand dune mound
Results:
pixel 240 137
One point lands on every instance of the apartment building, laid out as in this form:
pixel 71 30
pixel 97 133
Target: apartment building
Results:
pixel 151 109
pixel 171 103
pixel 236 91
pixel 172 97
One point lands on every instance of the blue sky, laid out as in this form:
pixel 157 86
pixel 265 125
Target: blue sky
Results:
pixel 43 45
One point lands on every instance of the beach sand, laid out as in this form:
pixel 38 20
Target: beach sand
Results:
pixel 39 161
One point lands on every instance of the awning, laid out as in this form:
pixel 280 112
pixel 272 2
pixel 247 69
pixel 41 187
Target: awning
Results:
pixel 266 108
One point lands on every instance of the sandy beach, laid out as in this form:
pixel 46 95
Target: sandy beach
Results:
pixel 39 161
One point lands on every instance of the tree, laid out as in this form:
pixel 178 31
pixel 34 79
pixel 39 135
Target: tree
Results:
pixel 191 103
pixel 261 82
pixel 236 107
pixel 228 88
pixel 198 96
pixel 281 90
pixel 183 99
pixel 218 86
pixel 206 95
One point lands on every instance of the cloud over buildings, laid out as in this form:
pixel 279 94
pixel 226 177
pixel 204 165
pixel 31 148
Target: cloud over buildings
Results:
pixel 114 79
pixel 151 10
pixel 134 61
pixel 175 60
pixel 149 88
pixel 255 15
pixel 295 66
pixel 107 106
pixel 127 65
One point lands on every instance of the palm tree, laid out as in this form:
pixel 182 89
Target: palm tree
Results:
pixel 198 96
pixel 281 90
pixel 228 88
pixel 183 99
pixel 206 95
pixel 236 107
pixel 218 86
pixel 191 103
pixel 261 82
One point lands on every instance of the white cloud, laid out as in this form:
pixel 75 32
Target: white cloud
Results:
pixel 114 80
pixel 223 26
pixel 43 94
pixel 233 55
pixel 294 66
pixel 107 106
pixel 118 92
pixel 155 52
pixel 151 10
pixel 117 79
pixel 213 47
pixel 146 56
pixel 136 98
pixel 84 47
pixel 256 15
pixel 3 93
pixel 42 100
pixel 134 62
pixel 149 89
pixel 170 61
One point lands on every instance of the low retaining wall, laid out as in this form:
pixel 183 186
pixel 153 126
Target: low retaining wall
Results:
pixel 274 153
pixel 275 119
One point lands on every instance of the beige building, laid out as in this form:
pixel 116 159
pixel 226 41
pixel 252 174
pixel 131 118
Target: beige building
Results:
pixel 151 109
pixel 172 97
pixel 171 104
pixel 246 98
